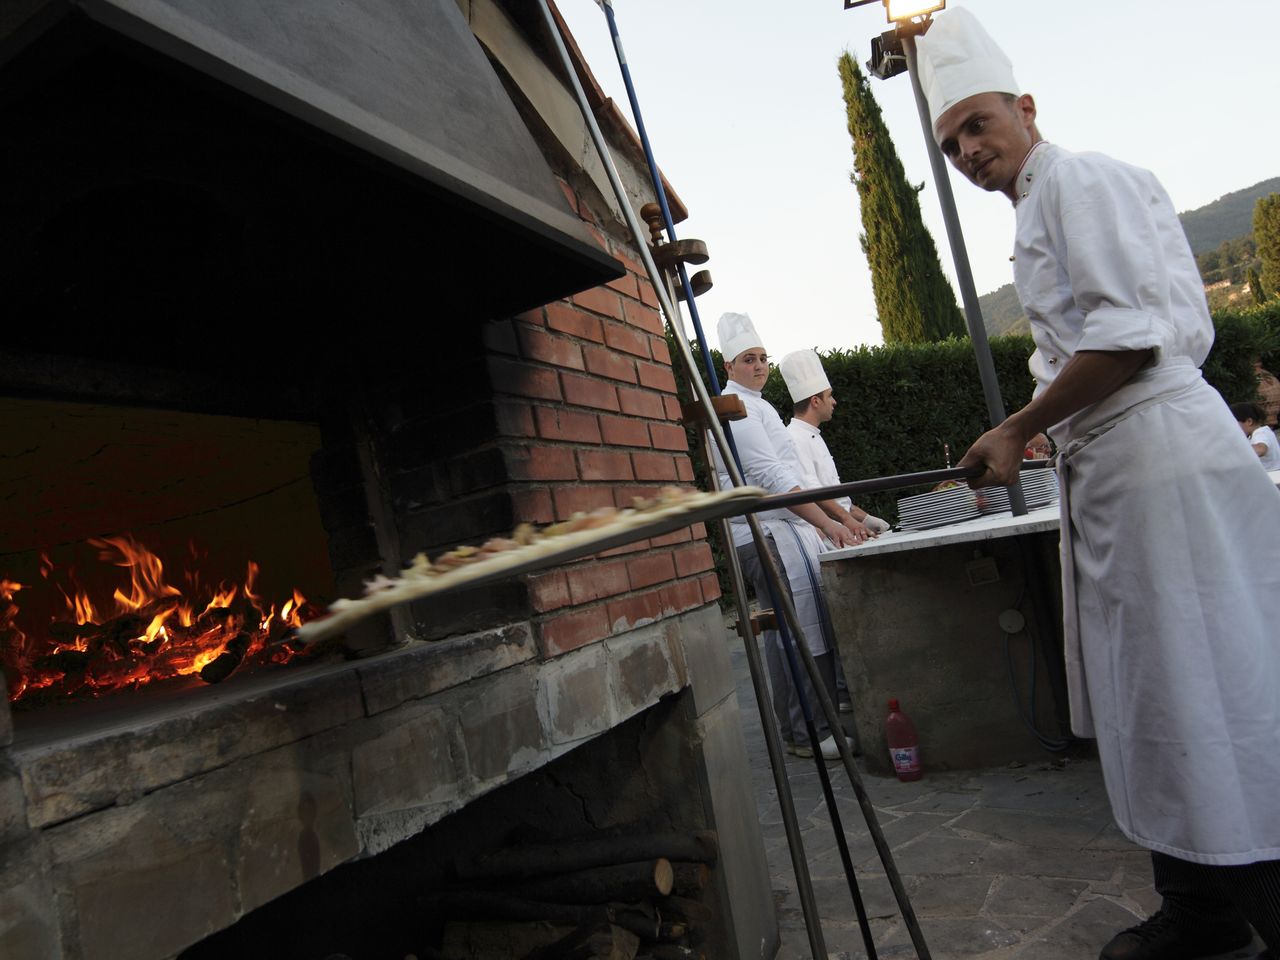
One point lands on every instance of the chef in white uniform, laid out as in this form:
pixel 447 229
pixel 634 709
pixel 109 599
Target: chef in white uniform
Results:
pixel 1170 532
pixel 815 404
pixel 768 460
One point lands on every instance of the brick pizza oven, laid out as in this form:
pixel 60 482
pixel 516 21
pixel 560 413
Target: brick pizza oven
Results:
pixel 324 286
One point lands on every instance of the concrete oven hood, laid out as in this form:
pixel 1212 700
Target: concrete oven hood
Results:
pixel 291 165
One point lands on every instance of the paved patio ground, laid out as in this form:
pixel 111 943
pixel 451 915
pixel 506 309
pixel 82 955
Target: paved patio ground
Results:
pixel 1020 862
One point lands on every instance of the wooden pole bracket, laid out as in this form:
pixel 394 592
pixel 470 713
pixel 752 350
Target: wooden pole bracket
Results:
pixel 668 255
pixel 700 282
pixel 727 406
pixel 762 621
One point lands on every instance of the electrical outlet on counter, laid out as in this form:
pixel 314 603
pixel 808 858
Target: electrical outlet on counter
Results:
pixel 982 570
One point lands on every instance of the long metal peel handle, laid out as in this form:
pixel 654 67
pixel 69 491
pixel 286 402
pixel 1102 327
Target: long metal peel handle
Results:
pixel 875 485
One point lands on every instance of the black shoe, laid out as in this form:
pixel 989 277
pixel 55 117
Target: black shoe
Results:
pixel 1160 937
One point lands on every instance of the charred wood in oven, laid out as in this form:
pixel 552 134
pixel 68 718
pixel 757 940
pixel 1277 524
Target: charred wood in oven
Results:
pixel 240 613
pixel 117 632
pixel 621 881
pixel 565 856
pixel 225 663
pixel 64 661
pixel 61 631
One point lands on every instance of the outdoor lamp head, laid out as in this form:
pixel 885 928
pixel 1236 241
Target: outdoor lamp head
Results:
pixel 901 11
pixel 887 57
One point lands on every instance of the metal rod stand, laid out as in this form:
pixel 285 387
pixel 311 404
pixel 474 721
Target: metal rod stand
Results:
pixel 771 569
pixel 964 273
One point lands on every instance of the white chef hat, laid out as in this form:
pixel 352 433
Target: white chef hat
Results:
pixel 737 333
pixel 958 59
pixel 804 376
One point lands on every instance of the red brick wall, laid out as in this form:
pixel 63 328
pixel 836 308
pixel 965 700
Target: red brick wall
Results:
pixel 588 417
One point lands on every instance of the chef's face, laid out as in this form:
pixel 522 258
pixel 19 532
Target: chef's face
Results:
pixel 750 368
pixel 987 136
pixel 826 406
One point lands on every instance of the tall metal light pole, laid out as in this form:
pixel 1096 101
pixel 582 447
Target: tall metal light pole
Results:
pixel 891 53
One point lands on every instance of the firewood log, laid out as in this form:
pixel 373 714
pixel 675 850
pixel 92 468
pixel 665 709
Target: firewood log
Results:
pixel 671 931
pixel 620 881
pixel 493 905
pixel 533 940
pixel 585 943
pixel 568 855
pixel 692 911
pixel 641 918
pixel 222 666
pixel 690 878
pixel 498 939
pixel 673 951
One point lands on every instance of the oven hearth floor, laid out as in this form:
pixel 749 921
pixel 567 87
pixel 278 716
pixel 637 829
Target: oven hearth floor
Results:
pixel 1004 864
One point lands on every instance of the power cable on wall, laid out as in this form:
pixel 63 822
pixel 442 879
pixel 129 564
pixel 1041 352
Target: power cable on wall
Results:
pixel 1013 623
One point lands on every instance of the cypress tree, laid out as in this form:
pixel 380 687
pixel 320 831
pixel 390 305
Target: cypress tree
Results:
pixel 1255 287
pixel 1266 236
pixel 915 302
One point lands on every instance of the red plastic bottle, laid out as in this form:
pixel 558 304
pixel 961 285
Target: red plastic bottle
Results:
pixel 904 745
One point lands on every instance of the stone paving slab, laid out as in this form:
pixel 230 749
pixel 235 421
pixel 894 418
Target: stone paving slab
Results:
pixel 1016 863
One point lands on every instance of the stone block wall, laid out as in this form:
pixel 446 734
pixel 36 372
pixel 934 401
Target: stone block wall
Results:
pixel 133 842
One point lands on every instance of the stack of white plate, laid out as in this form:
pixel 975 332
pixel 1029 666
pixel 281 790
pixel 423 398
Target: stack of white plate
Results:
pixel 1039 489
pixel 936 508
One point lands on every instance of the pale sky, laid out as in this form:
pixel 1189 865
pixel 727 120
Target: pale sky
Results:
pixel 743 106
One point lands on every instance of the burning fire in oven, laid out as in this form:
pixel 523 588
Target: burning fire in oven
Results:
pixel 146 631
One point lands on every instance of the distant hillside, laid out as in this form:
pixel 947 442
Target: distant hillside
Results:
pixel 1229 218
pixel 1002 313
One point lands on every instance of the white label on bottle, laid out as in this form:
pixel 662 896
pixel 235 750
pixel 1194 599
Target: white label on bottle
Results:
pixel 905 759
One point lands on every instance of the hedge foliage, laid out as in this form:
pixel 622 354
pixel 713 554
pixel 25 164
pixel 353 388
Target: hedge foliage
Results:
pixel 898 407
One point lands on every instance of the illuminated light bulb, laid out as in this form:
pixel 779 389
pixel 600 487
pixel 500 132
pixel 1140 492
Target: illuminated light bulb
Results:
pixel 899 10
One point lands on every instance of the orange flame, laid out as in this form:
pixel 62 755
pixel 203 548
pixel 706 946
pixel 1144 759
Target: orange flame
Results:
pixel 150 631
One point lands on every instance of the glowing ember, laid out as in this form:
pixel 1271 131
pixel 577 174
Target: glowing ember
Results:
pixel 149 630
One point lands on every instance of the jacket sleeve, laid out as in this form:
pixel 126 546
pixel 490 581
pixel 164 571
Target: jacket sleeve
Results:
pixel 1112 237
pixel 762 464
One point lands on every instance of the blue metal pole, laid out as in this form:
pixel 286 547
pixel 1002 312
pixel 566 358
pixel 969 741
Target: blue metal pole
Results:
pixel 661 192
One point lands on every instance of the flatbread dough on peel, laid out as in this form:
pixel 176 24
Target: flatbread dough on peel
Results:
pixel 424 579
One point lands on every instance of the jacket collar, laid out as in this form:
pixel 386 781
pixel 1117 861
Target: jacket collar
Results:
pixel 1033 165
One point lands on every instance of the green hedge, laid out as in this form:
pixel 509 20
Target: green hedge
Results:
pixel 897 405
pixel 1240 336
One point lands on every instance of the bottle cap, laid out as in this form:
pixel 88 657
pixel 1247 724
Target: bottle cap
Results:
pixel 893 705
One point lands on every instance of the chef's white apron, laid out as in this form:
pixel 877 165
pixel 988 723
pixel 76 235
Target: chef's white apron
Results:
pixel 1170 557
pixel 798 542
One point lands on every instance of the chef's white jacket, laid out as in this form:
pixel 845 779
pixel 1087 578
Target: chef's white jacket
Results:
pixel 766 453
pixel 769 460
pixel 1170 535
pixel 817 466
